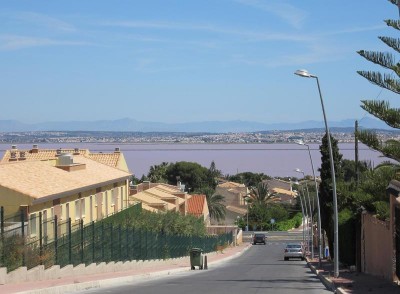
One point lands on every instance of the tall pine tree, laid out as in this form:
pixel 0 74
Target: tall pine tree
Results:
pixel 389 79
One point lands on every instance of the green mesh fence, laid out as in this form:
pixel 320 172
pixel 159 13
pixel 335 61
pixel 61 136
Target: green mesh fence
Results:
pixel 67 242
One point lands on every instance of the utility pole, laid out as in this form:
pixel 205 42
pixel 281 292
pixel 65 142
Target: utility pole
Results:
pixel 356 152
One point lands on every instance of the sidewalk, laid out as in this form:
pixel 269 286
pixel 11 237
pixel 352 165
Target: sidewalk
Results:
pixel 71 284
pixel 351 282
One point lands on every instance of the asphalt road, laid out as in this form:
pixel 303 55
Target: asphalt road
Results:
pixel 261 269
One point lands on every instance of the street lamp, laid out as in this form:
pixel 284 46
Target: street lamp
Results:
pixel 306 74
pixel 311 213
pixel 318 206
pixel 304 216
pixel 246 199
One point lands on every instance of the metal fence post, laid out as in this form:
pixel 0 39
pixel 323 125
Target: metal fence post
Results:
pixel 23 236
pixel 56 239
pixel 82 240
pixel 2 234
pixel 93 239
pixel 127 243
pixel 120 242
pixel 69 242
pixel 111 242
pixel 102 241
pixel 2 220
pixel 40 237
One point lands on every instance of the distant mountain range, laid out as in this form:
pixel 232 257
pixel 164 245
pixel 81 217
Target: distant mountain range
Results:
pixel 132 125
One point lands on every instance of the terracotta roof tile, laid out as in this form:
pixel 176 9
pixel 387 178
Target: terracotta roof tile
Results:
pixel 196 205
pixel 231 185
pixel 110 159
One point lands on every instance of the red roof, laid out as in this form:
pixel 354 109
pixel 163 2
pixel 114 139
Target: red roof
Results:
pixel 196 205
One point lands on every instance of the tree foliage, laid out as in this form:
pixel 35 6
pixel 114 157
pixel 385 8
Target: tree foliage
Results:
pixel 192 174
pixel 260 195
pixel 158 173
pixel 215 203
pixel 171 223
pixel 389 80
pixel 248 178
pixel 325 188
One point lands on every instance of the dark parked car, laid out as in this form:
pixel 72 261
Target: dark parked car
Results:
pixel 259 238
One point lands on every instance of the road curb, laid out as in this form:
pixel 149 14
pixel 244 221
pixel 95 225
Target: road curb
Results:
pixel 120 280
pixel 328 283
pixel 103 283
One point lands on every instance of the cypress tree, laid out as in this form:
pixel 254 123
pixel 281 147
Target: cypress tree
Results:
pixel 325 188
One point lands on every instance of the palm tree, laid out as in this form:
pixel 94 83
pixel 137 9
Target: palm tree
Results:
pixel 260 195
pixel 215 204
pixel 157 173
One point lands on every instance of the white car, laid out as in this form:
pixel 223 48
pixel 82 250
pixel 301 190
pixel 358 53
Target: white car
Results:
pixel 294 250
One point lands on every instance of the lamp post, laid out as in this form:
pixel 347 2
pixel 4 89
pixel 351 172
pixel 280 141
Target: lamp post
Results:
pixel 318 206
pixel 306 74
pixel 246 199
pixel 304 212
pixel 311 213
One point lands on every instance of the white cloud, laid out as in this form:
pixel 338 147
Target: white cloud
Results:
pixel 44 21
pixel 248 35
pixel 289 13
pixel 13 42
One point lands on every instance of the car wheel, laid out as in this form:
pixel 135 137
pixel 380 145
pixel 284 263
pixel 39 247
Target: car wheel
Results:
pixel 286 258
pixel 302 258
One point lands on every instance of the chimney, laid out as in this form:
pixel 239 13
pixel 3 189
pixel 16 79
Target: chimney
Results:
pixel 22 155
pixel 117 150
pixel 146 185
pixel 34 149
pixel 66 162
pixel 13 155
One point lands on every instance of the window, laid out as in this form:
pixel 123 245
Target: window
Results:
pixel 45 224
pixel 83 207
pixel 32 223
pixel 106 201
pixel 67 211
pixel 113 196
pixel 77 209
pixel 122 197
pixel 91 208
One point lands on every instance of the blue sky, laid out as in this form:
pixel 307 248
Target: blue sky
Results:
pixel 185 61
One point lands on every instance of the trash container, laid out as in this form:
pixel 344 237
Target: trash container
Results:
pixel 196 258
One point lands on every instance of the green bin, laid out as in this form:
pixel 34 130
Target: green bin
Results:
pixel 196 258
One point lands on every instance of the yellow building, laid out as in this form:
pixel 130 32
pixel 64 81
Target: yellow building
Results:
pixel 157 197
pixel 66 186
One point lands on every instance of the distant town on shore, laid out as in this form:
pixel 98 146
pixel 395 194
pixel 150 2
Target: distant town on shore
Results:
pixel 343 135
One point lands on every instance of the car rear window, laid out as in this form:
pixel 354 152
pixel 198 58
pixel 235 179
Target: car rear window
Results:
pixel 293 246
pixel 260 235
